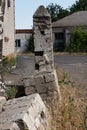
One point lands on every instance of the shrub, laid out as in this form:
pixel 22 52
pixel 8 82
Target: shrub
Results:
pixel 30 44
pixel 78 41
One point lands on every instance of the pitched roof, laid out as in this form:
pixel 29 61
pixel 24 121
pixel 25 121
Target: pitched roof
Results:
pixel 75 19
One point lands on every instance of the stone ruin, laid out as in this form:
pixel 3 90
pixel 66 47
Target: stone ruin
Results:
pixel 30 112
pixel 25 113
pixel 44 81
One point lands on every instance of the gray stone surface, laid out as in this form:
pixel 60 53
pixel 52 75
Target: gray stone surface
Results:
pixel 45 78
pixel 43 38
pixel 39 79
pixel 25 113
pixel 2 103
pixel 30 90
pixel 29 82
pixel 49 77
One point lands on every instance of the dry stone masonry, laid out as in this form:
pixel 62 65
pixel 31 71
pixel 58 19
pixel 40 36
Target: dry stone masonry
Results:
pixel 26 113
pixel 30 112
pixel 44 81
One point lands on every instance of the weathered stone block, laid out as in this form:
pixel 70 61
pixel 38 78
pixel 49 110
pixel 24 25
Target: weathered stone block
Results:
pixel 39 79
pixel 30 90
pixel 49 77
pixel 41 88
pixel 25 113
pixel 52 86
pixel 2 101
pixel 38 58
pixel 49 68
pixel 28 82
pixel 45 68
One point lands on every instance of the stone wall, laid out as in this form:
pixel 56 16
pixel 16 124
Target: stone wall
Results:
pixel 44 80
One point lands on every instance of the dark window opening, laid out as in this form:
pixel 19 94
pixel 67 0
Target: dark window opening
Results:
pixel 59 36
pixel 8 3
pixel 59 43
pixel 18 43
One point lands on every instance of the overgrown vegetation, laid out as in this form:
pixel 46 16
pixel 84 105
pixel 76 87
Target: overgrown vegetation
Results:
pixel 11 92
pixel 8 62
pixel 71 113
pixel 30 43
pixel 78 42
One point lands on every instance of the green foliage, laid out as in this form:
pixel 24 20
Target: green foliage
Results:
pixel 56 11
pixel 11 92
pixel 8 62
pixel 65 80
pixel 30 43
pixel 78 42
pixel 79 6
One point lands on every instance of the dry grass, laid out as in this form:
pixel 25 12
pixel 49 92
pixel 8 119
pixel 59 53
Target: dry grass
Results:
pixel 71 113
pixel 8 62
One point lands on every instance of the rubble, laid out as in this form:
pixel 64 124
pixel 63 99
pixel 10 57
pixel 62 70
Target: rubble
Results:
pixel 25 113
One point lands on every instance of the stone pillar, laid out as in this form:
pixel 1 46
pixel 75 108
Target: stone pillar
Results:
pixel 43 40
pixel 2 8
pixel 44 81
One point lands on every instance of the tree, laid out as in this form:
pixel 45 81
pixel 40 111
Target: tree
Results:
pixel 56 11
pixel 79 5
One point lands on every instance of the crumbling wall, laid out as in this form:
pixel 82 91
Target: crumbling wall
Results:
pixel 26 113
pixel 44 80
pixel 30 112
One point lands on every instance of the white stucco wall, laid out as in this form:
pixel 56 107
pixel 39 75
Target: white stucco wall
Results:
pixel 23 39
pixel 9 29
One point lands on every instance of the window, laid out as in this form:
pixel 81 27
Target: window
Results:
pixel 59 35
pixel 8 3
pixel 18 43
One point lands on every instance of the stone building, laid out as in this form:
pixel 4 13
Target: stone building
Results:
pixel 9 28
pixel 63 27
pixel 21 37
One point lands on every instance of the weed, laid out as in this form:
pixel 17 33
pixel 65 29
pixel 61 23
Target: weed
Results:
pixel 8 62
pixel 11 92
pixel 71 110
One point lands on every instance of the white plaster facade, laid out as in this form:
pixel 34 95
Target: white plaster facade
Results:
pixel 9 28
pixel 21 37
